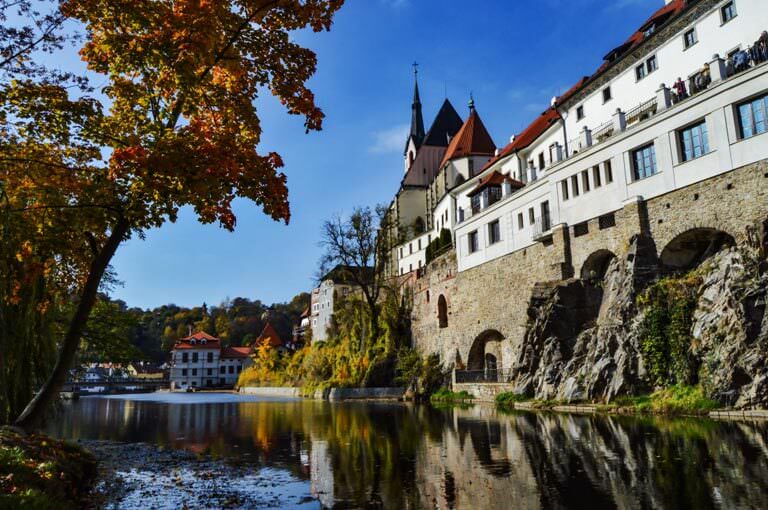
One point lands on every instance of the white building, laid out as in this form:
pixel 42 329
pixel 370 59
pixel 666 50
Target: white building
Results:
pixel 617 135
pixel 335 285
pixel 199 361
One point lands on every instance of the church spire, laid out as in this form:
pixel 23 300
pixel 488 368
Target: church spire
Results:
pixel 417 120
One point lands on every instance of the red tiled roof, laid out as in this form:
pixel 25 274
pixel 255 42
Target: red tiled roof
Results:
pixel 529 135
pixel 200 335
pixel 660 16
pixel 271 335
pixel 236 352
pixel 305 313
pixel 494 179
pixel 471 140
pixel 195 342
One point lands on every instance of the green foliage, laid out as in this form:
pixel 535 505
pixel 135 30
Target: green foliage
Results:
pixel 426 375
pixel 38 472
pixel 439 245
pixel 508 399
pixel 446 396
pixel 678 399
pixel 668 307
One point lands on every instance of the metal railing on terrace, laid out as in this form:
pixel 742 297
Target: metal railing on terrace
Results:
pixel 487 376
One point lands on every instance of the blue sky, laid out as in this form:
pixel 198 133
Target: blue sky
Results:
pixel 513 55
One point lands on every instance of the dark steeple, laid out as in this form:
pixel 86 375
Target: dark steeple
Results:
pixel 417 120
pixel 447 123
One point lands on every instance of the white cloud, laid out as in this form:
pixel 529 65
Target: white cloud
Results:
pixel 390 140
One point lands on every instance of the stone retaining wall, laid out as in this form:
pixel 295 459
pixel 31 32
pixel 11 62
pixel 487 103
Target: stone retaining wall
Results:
pixel 338 394
pixel 493 299
pixel 276 392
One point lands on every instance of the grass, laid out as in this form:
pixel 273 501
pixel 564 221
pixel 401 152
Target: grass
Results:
pixel 508 399
pixel 675 400
pixel 37 472
pixel 446 396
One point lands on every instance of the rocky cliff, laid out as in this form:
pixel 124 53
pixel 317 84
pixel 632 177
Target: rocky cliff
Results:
pixel 588 340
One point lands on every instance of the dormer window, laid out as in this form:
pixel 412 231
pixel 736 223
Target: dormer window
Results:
pixel 192 342
pixel 203 341
pixel 650 30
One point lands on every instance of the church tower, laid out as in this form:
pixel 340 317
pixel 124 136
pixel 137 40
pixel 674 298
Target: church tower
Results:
pixel 417 134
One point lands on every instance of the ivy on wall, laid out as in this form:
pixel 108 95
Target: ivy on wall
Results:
pixel 665 331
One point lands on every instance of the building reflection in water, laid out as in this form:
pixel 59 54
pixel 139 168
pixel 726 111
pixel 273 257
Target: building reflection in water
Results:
pixel 398 456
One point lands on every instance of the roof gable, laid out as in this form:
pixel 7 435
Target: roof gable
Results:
pixel 445 126
pixel 472 140
pixel 270 335
pixel 529 135
pixel 494 179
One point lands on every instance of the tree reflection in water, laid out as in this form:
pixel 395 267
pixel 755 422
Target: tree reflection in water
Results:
pixel 397 456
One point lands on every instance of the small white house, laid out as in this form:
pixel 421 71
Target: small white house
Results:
pixel 195 362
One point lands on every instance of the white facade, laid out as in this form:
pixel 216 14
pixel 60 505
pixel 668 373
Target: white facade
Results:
pixel 324 299
pixel 230 368
pixel 195 367
pixel 597 174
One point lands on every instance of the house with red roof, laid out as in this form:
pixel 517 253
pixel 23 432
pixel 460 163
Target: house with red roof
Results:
pixel 200 361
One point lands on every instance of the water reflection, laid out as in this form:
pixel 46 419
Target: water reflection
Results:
pixel 397 456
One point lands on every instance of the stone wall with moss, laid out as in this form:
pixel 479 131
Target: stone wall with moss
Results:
pixel 495 297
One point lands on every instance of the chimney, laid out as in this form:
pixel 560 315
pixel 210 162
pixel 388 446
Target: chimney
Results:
pixel 512 139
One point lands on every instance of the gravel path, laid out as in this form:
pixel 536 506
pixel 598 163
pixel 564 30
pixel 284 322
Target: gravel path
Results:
pixel 141 476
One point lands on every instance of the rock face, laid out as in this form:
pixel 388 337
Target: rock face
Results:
pixel 583 340
pixel 730 330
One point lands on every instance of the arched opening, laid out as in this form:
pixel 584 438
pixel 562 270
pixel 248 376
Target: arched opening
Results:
pixel 442 311
pixel 485 355
pixel 418 225
pixel 689 249
pixel 596 266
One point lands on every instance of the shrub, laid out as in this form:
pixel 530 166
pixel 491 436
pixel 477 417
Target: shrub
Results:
pixel 675 400
pixel 508 399
pixel 665 330
pixel 446 396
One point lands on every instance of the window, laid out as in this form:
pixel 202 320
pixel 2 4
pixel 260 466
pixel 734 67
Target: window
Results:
pixel 689 38
pixel 194 371
pixel 442 311
pixel 647 68
pixel 644 162
pixel 652 64
pixel 475 201
pixel 520 223
pixel 581 229
pixel 596 176
pixel 564 187
pixel 608 172
pixel 210 371
pixel 222 369
pixel 494 232
pixel 419 244
pixel 607 94
pixel 531 216
pixel 472 237
pixel 575 185
pixel 185 357
pixel 541 161
pixel 728 12
pixel 546 224
pixel 239 368
pixel 693 141
pixel 184 372
pixel 410 248
pixel 640 72
pixel 752 117
pixel 606 221
pixel 585 180
pixel 580 112
pixel 401 256
pixel 231 369
pixel 471 164
pixel 210 357
pixel 195 357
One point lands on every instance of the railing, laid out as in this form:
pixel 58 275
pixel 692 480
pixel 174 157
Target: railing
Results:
pixel 485 376
pixel 603 132
pixel 642 112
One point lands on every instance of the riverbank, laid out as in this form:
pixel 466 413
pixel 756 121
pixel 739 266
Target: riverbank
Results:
pixel 37 471
pixel 131 475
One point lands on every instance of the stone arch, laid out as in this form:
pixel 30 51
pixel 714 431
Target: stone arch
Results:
pixel 690 248
pixel 485 352
pixel 442 311
pixel 596 265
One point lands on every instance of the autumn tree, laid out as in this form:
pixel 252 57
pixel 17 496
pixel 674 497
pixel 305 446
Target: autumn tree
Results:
pixel 352 247
pixel 175 125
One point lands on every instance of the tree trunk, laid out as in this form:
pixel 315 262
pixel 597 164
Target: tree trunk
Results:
pixel 32 416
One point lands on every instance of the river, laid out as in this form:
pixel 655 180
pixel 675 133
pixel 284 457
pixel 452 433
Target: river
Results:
pixel 281 453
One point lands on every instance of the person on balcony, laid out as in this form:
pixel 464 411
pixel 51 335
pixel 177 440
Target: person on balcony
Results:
pixel 703 79
pixel 730 68
pixel 741 61
pixel 680 91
